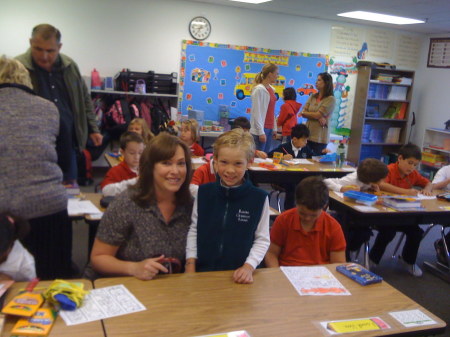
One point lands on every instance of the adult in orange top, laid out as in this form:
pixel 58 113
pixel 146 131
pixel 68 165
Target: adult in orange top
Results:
pixel 306 235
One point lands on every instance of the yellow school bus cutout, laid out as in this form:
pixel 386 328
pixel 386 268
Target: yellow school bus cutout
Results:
pixel 244 88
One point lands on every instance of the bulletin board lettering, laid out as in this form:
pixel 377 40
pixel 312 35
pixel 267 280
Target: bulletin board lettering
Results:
pixel 214 74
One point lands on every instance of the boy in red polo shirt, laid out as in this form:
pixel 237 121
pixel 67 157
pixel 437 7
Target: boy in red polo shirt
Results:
pixel 306 235
pixel 119 177
pixel 401 179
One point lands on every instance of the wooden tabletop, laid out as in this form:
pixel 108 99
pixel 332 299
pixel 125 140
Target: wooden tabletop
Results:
pixel 207 303
pixel 60 329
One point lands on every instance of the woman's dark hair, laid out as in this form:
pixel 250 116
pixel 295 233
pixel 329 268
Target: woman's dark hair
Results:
pixel 11 229
pixel 289 94
pixel 160 148
pixel 328 80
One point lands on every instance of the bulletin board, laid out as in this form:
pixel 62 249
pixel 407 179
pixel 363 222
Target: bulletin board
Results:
pixel 214 74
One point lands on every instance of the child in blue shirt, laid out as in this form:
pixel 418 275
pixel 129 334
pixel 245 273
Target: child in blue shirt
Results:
pixel 230 218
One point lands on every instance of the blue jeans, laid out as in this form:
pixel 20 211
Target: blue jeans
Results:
pixel 267 146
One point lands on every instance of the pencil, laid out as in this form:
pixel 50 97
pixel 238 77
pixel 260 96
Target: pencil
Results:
pixel 284 150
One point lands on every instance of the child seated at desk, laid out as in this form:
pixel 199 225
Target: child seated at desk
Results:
pixel 119 177
pixel 401 179
pixel 306 235
pixel 16 263
pixel 189 134
pixel 230 217
pixel 441 181
pixel 296 148
pixel 139 125
pixel 370 173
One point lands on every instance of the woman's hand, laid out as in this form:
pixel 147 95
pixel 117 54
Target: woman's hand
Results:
pixel 148 268
pixel 322 121
pixel 244 274
pixel 262 138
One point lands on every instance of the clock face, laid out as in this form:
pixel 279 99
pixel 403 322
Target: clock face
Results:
pixel 200 28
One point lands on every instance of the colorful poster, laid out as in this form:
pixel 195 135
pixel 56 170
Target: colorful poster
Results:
pixel 215 75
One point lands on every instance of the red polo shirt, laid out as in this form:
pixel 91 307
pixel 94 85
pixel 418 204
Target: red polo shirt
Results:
pixel 300 248
pixel 407 182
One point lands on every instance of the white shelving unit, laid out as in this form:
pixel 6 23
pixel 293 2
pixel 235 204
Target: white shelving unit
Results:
pixel 437 142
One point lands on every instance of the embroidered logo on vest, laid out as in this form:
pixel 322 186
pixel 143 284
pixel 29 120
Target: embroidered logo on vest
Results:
pixel 243 216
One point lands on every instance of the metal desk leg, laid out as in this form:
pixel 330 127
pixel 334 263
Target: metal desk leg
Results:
pixel 438 268
pixel 366 254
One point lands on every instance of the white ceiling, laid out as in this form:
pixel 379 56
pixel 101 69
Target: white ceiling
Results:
pixel 436 13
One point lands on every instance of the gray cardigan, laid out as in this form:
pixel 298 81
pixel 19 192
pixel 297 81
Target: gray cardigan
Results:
pixel 30 179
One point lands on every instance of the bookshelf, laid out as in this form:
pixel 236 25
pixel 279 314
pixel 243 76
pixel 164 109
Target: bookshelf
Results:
pixel 380 113
pixel 435 151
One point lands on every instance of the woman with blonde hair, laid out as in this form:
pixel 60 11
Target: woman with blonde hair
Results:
pixel 262 120
pixel 31 179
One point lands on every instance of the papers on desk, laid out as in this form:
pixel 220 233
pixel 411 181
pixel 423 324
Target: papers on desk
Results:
pixel 339 194
pixel 260 160
pixel 354 325
pixel 366 208
pixel 425 197
pixel 81 207
pixel 103 303
pixel 412 318
pixel 298 161
pixel 316 281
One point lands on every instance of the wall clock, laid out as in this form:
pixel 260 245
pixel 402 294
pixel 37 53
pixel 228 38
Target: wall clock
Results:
pixel 200 28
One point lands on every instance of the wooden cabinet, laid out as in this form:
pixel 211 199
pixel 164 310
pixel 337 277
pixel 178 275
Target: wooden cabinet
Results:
pixel 380 113
pixel 435 151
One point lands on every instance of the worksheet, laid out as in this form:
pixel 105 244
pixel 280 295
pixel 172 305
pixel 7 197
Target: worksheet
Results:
pixel 412 318
pixel 316 281
pixel 298 161
pixel 81 207
pixel 103 303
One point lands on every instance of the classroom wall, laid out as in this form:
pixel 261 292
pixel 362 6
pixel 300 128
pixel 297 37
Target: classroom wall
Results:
pixel 146 35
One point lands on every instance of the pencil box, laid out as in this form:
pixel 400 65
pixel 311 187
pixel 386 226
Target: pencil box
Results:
pixel 361 197
pixel 359 274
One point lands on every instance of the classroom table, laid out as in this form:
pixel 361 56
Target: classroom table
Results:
pixel 60 329
pixel 207 303
pixel 326 170
pixel 432 213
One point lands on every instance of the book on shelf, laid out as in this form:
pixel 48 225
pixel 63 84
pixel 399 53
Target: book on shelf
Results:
pixel 392 135
pixel 401 202
pixel 397 93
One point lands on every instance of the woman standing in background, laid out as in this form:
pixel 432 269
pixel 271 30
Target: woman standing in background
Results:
pixel 318 111
pixel 262 119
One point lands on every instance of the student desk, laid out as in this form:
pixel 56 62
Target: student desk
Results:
pixel 432 214
pixel 257 175
pixel 60 329
pixel 208 303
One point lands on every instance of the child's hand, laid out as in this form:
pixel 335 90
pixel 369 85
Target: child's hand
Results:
pixel 325 151
pixel 261 154
pixel 244 274
pixel 148 268
pixel 426 191
pixel 412 192
pixel 350 188
pixel 287 157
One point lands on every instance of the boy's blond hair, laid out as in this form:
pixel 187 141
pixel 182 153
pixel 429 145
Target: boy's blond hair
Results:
pixel 193 126
pixel 236 138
